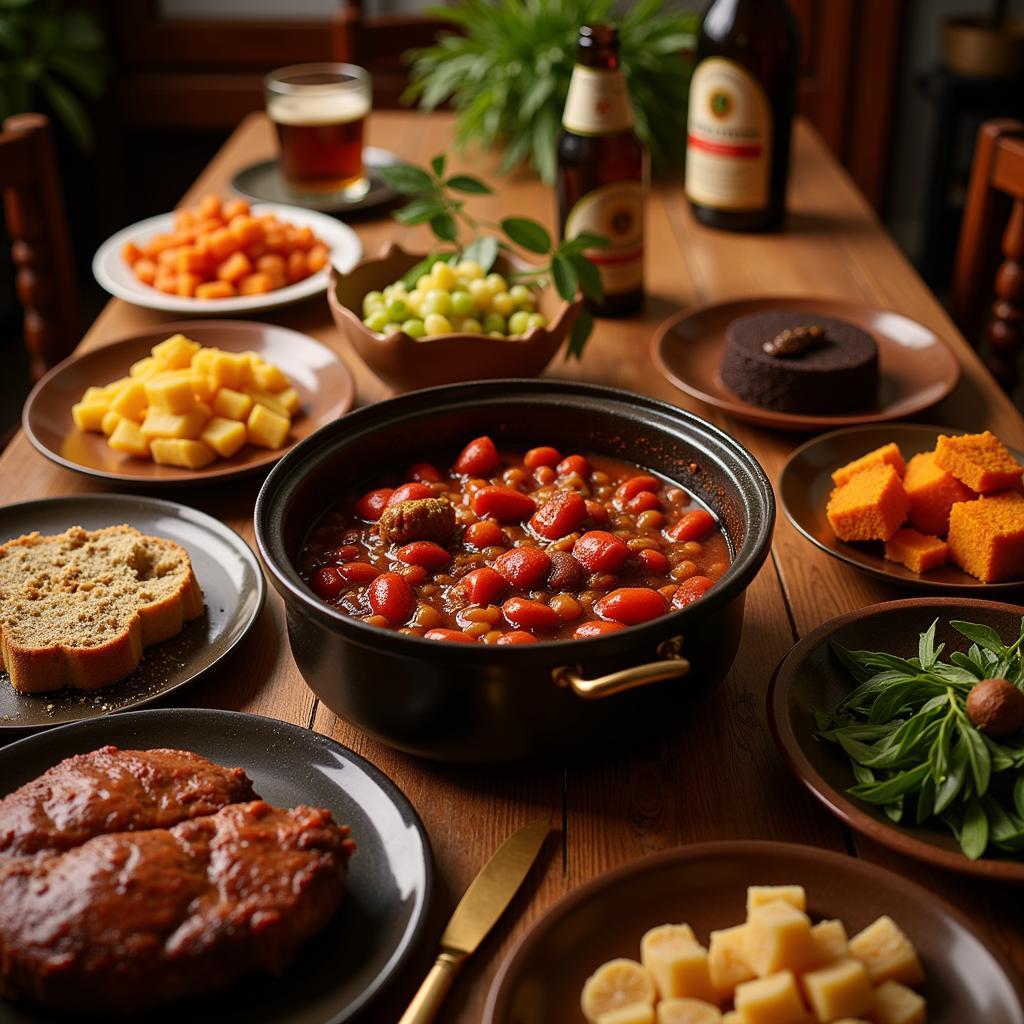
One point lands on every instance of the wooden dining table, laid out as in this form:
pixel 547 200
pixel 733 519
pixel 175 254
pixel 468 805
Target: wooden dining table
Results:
pixel 714 775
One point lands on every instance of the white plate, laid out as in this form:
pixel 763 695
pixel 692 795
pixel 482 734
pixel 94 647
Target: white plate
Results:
pixel 114 274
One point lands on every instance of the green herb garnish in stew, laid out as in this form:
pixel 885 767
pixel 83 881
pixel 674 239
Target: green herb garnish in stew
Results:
pixel 931 739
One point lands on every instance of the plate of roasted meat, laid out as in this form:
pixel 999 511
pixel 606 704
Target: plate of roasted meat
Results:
pixel 201 865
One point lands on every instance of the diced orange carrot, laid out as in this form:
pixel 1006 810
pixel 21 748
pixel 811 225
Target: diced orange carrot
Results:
pixel 234 268
pixel 184 218
pixel 254 250
pixel 272 263
pixel 209 206
pixel 275 239
pixel 145 270
pixel 297 266
pixel 215 290
pixel 304 238
pixel 222 244
pixel 188 283
pixel 208 224
pixel 245 229
pixel 316 258
pixel 234 207
pixel 169 257
pixel 157 244
pixel 191 261
pixel 184 236
pixel 255 284
pixel 131 252
pixel 166 281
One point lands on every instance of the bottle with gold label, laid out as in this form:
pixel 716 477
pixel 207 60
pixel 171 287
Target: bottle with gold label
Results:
pixel 602 170
pixel 741 108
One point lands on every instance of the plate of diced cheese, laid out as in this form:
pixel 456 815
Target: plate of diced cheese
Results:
pixel 187 402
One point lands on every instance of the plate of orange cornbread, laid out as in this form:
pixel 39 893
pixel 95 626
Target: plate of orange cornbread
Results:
pixel 918 505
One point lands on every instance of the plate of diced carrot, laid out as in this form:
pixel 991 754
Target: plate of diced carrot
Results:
pixel 225 256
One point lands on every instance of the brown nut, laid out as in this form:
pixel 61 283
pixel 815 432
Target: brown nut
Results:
pixel 996 707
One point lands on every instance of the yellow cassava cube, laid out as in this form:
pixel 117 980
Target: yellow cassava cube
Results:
pixel 289 398
pixel 202 361
pixel 897 1004
pixel 110 422
pixel 231 369
pixel 268 377
pixel 266 428
pixel 759 895
pixel 727 960
pixel 839 989
pixel 89 415
pixel 95 396
pixel 131 401
pixel 175 352
pixel 204 387
pixel 771 1000
pixel 830 938
pixel 159 423
pixel 128 438
pixel 224 436
pixel 171 393
pixel 233 405
pixel 115 387
pixel 145 368
pixel 688 1011
pixel 887 953
pixel 678 962
pixel 778 938
pixel 635 1013
pixel 186 453
pixel 272 402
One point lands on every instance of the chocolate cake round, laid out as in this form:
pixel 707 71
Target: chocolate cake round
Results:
pixel 837 371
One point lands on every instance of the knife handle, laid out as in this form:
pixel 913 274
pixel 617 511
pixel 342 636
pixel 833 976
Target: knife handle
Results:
pixel 427 1001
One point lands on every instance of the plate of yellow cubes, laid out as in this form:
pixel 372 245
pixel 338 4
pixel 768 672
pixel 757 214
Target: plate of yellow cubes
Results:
pixel 187 402
pixel 753 933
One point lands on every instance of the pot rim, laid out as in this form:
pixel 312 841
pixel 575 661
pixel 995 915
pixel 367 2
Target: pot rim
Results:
pixel 286 474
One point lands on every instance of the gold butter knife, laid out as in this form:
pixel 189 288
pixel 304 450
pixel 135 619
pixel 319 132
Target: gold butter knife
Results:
pixel 478 911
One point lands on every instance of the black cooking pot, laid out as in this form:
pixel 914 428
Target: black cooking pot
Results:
pixel 481 702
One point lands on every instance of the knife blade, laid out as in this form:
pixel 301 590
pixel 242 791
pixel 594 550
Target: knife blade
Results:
pixel 478 911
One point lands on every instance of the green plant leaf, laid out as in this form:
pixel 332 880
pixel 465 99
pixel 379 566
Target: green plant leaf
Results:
pixel 1018 795
pixel 974 831
pixel 579 334
pixel 978 756
pixel 443 225
pixel 527 233
pixel 983 636
pixel 565 277
pixel 438 164
pixel 469 185
pixel 404 178
pixel 483 249
pixel 419 211
pixel 68 109
pixel 589 278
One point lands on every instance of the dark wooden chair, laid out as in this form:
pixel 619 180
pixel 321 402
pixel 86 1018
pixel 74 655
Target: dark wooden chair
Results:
pixel 995 208
pixel 41 246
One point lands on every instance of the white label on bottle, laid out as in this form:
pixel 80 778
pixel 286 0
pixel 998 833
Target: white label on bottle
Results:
pixel 617 212
pixel 729 138
pixel 598 102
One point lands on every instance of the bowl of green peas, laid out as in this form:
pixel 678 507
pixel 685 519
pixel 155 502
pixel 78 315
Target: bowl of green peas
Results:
pixel 454 322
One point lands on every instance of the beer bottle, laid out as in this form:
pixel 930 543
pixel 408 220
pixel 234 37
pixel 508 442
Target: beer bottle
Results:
pixel 602 170
pixel 741 109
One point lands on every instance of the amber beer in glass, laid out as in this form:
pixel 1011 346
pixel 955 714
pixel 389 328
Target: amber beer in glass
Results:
pixel 319 111
pixel 602 170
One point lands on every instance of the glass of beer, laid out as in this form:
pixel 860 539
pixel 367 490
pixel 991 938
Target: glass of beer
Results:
pixel 319 110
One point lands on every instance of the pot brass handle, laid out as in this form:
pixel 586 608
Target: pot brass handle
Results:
pixel 672 666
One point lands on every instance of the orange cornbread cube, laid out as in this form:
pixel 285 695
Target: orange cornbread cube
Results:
pixel 986 536
pixel 887 453
pixel 932 491
pixel 980 461
pixel 919 552
pixel 871 505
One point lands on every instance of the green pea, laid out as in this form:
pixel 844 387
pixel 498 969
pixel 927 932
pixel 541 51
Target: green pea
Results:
pixel 414 328
pixel 495 322
pixel 519 322
pixel 397 310
pixel 372 301
pixel 463 304
pixel 536 320
pixel 376 320
pixel 523 297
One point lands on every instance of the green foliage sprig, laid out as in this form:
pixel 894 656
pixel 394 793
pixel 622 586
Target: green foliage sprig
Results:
pixel 440 202
pixel 915 752
pixel 508 73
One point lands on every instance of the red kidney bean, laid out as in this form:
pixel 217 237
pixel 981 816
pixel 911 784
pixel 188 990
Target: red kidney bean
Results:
pixel 653 561
pixel 410 492
pixel 358 572
pixel 503 503
pixel 520 611
pixel 449 636
pixel 573 464
pixel 478 458
pixel 600 551
pixel 692 526
pixel 424 472
pixel 633 486
pixel 345 553
pixel 425 553
pixel 482 586
pixel 523 567
pixel 645 501
pixel 516 636
pixel 631 605
pixel 484 534
pixel 328 583
pixel 596 512
pixel 559 516
pixel 544 456
pixel 391 596
pixel 691 590
pixel 566 573
pixel 371 504
pixel 586 630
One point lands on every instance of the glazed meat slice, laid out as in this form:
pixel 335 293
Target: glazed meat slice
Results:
pixel 128 921
pixel 111 790
pixel 417 519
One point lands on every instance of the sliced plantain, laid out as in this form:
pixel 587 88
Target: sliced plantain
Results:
pixel 614 986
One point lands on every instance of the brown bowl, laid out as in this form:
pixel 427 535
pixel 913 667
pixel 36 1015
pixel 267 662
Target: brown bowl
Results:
pixel 810 677
pixel 705 885
pixel 406 363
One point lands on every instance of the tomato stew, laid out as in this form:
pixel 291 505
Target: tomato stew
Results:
pixel 511 549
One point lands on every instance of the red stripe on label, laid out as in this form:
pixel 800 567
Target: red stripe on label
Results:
pixel 725 148
pixel 607 259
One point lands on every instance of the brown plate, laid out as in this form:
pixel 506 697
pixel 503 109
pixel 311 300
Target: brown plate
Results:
pixel 811 677
pixel 805 483
pixel 917 368
pixel 705 885
pixel 320 377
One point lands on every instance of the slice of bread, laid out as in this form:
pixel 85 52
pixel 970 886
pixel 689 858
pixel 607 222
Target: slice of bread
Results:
pixel 76 609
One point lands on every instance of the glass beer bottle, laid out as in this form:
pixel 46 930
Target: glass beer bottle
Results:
pixel 742 97
pixel 602 170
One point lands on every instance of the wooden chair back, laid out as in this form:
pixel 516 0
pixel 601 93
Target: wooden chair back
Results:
pixel 995 207
pixel 41 245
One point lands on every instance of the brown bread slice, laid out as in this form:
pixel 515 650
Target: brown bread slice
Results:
pixel 77 609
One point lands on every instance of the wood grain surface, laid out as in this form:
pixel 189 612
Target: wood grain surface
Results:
pixel 715 773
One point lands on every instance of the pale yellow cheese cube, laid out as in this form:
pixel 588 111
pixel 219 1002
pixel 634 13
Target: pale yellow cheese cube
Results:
pixel 232 404
pixel 678 962
pixel 188 454
pixel 175 352
pixel 110 422
pixel 688 1011
pixel 778 938
pixel 635 1013
pixel 897 1004
pixel 266 428
pixel 128 438
pixel 224 436
pixel 887 953
pixel 727 960
pixel 146 368
pixel 94 396
pixel 289 398
pixel 771 1000
pixel 204 387
pixel 159 423
pixel 202 361
pixel 759 895
pixel 171 393
pixel 830 939
pixel 231 369
pixel 131 401
pixel 115 387
pixel 268 377
pixel 839 989
pixel 272 402
pixel 89 415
